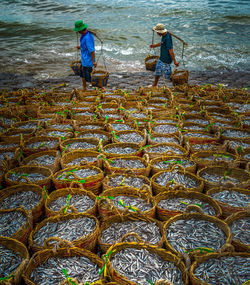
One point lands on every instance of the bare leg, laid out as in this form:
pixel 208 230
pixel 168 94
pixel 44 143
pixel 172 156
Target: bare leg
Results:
pixel 156 81
pixel 84 84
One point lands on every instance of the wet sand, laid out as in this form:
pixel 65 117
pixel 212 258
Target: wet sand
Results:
pixel 126 80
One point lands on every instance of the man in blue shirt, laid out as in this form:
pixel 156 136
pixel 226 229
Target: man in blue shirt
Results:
pixel 87 47
pixel 163 66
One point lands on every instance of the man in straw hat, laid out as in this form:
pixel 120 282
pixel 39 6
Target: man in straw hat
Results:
pixel 163 66
pixel 87 47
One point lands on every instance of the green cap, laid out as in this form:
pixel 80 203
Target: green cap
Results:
pixel 79 26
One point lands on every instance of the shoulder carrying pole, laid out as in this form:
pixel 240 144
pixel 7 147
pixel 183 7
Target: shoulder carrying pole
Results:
pixel 178 38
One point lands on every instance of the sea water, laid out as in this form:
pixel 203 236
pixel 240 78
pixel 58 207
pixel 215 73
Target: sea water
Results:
pixel 37 37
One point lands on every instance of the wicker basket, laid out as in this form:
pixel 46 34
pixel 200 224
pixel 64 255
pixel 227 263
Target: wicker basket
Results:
pixel 37 211
pixel 68 157
pixel 151 61
pixel 162 253
pixel 179 77
pixel 28 150
pixel 85 242
pixel 91 183
pixel 64 192
pixel 65 145
pixel 137 150
pixel 24 231
pixel 30 169
pixel 115 137
pixel 99 78
pixel 226 173
pixel 238 245
pixel 157 189
pixel 125 218
pixel 165 214
pixel 197 216
pixel 195 281
pixel 54 167
pixel 18 248
pixel 228 209
pixel 42 256
pixel 76 66
pixel 107 208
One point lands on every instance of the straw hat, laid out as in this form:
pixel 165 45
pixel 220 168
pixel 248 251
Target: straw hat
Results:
pixel 159 28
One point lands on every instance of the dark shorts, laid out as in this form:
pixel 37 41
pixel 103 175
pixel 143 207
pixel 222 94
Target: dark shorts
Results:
pixel 85 72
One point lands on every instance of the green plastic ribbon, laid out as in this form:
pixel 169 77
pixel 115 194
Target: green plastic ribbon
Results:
pixel 205 249
pixel 106 118
pixel 104 269
pixel 7 277
pixel 145 146
pixel 128 207
pixel 239 149
pixel 137 123
pixel 65 148
pixel 64 271
pixel 113 132
pixel 197 204
pixel 45 192
pixel 104 197
pixel 150 282
pixel 67 203
pixel 118 121
pixel 225 174
pixel 206 128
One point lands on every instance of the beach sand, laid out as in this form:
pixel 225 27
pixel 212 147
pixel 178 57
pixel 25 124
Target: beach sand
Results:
pixel 126 80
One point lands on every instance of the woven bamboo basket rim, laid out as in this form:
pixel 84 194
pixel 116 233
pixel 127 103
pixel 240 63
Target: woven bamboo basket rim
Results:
pixel 151 64
pixel 151 138
pixel 93 141
pixel 16 142
pixel 53 166
pixel 128 174
pixel 17 124
pixel 58 218
pixel 166 255
pixel 124 218
pixel 109 127
pixel 125 191
pixel 101 132
pixel 45 132
pixel 63 192
pixel 207 136
pixel 31 169
pixel 43 255
pixel 15 135
pixel 74 154
pixel 224 137
pixel 168 152
pixel 234 217
pixel 198 216
pixel 25 228
pixel 155 169
pixel 135 146
pixel 187 194
pixel 78 125
pixel 88 179
pixel 159 188
pixel 140 133
pixel 204 258
pixel 24 188
pixel 75 62
pixel 242 175
pixel 105 73
pixel 42 139
pixel 109 168
pixel 166 124
pixel 17 247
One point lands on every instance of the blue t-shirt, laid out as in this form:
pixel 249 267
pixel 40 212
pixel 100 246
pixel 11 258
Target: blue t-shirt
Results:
pixel 166 45
pixel 87 46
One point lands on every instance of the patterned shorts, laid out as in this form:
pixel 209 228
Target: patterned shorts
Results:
pixel 85 72
pixel 163 69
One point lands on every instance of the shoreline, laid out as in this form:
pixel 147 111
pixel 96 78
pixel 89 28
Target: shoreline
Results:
pixel 126 80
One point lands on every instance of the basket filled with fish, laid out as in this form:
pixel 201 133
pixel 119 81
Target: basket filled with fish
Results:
pixel 76 67
pixel 120 126
pixel 235 134
pixel 13 135
pixel 96 134
pixel 231 200
pixel 38 175
pixel 165 129
pixel 176 179
pixel 239 224
pixel 13 261
pixel 150 62
pixel 52 267
pixel 99 78
pixel 124 199
pixel 114 228
pixel 38 144
pixel 29 196
pixel 133 263
pixel 195 234
pixel 132 136
pixel 55 133
pixel 172 203
pixel 211 158
pixel 70 200
pixel 78 229
pixel 120 149
pixel 164 149
pixel 16 223
pixel 10 158
pixel 83 126
pixel 221 268
pixel 164 163
pixel 49 159
pixel 121 164
pixel 129 179
pixel 81 158
pixel 85 144
pixel 224 176
pixel 193 138
pixel 87 177
pixel 238 147
pixel 162 138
